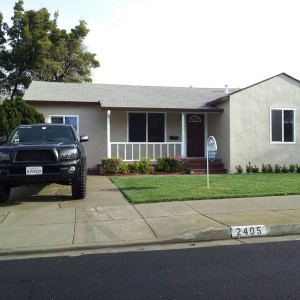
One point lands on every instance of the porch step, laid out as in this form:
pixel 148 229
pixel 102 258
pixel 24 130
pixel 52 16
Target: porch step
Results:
pixel 198 166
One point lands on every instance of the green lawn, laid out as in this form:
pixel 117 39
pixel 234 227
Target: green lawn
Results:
pixel 146 189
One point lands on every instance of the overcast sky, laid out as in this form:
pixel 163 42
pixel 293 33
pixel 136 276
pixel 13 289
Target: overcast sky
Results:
pixel 184 42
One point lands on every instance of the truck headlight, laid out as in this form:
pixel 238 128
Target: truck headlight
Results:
pixel 4 156
pixel 68 154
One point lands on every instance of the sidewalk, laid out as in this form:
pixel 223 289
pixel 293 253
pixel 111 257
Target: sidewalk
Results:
pixel 105 218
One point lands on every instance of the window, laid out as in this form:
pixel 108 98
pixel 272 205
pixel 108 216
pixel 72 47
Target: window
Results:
pixel 156 127
pixel 73 120
pixel 146 127
pixel 283 125
pixel 137 127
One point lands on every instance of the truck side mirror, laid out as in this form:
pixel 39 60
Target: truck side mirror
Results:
pixel 84 138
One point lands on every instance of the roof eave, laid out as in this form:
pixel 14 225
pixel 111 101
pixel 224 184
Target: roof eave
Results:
pixel 45 102
pixel 210 109
pixel 219 100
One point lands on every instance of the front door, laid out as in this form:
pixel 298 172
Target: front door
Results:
pixel 195 135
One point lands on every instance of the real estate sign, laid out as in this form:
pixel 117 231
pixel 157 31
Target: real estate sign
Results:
pixel 211 153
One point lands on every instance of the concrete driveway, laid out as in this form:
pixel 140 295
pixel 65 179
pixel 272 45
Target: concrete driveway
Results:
pixel 100 191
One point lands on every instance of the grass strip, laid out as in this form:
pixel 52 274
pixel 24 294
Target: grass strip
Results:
pixel 150 189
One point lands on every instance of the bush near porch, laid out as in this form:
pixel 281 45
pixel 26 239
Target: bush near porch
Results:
pixel 144 166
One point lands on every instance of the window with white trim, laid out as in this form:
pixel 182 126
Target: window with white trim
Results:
pixel 65 119
pixel 146 127
pixel 282 125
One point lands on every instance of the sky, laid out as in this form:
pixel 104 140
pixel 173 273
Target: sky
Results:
pixel 183 43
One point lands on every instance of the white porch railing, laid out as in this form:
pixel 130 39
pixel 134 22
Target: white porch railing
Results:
pixel 135 151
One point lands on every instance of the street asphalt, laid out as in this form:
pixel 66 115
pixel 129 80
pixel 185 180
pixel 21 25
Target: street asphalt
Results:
pixel 45 218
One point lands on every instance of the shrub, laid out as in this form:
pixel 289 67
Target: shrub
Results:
pixel 183 163
pixel 133 167
pixel 239 169
pixel 167 164
pixel 144 165
pixel 255 169
pixel 264 168
pixel 297 168
pixel 292 168
pixel 249 168
pixel 160 164
pixel 277 168
pixel 285 169
pixel 123 168
pixel 111 165
pixel 14 112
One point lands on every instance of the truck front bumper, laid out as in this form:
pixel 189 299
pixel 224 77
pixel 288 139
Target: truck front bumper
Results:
pixel 18 174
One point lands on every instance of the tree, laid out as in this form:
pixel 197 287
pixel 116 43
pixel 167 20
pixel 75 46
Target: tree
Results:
pixel 14 112
pixel 33 47
pixel 67 60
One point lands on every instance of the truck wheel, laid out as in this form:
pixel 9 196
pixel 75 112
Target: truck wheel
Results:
pixel 4 192
pixel 79 183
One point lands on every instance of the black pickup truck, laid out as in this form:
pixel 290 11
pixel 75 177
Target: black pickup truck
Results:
pixel 43 153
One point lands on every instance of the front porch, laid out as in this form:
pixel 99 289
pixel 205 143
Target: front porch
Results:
pixel 180 134
pixel 133 135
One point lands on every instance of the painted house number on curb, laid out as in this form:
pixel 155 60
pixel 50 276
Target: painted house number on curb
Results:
pixel 248 231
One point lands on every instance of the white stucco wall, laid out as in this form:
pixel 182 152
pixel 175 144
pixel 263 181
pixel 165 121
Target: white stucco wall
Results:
pixel 250 123
pixel 118 126
pixel 218 125
pixel 173 126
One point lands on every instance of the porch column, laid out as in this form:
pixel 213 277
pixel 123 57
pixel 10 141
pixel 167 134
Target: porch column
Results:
pixel 108 135
pixel 183 134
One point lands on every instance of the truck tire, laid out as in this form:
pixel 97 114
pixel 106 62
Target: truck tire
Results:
pixel 4 192
pixel 79 183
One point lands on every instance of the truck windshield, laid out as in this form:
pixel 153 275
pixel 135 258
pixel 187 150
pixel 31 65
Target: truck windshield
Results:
pixel 45 133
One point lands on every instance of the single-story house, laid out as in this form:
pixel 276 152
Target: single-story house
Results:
pixel 255 124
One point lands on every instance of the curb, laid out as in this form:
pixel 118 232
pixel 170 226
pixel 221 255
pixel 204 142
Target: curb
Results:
pixel 204 235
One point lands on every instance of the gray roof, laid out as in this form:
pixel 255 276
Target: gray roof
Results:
pixel 111 96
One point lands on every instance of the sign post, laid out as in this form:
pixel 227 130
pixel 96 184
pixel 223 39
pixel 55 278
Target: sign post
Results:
pixel 211 154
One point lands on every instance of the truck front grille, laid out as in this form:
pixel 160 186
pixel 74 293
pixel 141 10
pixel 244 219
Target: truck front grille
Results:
pixel 35 156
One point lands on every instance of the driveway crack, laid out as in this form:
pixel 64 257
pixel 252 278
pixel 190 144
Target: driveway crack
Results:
pixel 5 217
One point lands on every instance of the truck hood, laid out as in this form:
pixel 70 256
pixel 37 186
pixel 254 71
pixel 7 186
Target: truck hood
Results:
pixel 33 145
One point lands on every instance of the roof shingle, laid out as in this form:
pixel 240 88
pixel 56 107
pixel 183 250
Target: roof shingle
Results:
pixel 111 96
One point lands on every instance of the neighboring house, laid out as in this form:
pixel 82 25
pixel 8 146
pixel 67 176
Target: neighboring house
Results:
pixel 256 124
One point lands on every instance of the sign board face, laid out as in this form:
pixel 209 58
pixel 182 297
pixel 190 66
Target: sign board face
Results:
pixel 211 144
pixel 212 156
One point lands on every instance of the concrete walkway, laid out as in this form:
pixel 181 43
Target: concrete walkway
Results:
pixel 46 219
